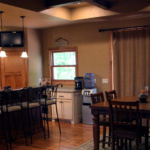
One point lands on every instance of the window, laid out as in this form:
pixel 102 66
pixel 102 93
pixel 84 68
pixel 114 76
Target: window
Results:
pixel 63 65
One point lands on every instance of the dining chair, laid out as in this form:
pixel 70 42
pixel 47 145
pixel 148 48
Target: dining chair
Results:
pixel 104 120
pixel 32 100
pixel 110 95
pixel 113 95
pixel 125 123
pixel 49 99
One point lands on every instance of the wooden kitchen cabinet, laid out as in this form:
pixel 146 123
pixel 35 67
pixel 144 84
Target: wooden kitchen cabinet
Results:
pixel 64 109
pixel 13 70
pixel 69 106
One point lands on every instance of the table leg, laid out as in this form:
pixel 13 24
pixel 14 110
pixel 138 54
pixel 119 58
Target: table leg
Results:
pixel 96 131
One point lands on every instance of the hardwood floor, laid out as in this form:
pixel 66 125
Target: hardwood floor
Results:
pixel 72 136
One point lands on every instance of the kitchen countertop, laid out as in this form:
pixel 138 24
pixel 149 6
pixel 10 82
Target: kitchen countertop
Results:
pixel 68 90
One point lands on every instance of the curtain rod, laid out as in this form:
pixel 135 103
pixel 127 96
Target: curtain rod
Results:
pixel 103 30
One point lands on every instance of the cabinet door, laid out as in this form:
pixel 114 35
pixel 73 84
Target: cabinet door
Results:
pixel 14 70
pixel 59 102
pixel 66 109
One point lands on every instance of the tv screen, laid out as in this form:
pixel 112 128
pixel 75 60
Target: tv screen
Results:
pixel 11 39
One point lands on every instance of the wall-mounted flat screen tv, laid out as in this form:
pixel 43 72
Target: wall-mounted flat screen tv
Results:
pixel 11 39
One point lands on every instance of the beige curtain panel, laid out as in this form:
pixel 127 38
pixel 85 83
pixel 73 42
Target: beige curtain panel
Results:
pixel 131 61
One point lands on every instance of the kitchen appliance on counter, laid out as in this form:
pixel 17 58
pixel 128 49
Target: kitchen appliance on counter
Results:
pixel 86 102
pixel 78 83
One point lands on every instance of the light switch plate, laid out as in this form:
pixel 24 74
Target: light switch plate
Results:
pixel 104 80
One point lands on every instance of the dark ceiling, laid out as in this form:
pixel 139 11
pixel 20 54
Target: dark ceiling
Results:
pixel 39 5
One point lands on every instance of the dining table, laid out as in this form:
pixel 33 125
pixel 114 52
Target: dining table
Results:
pixel 103 108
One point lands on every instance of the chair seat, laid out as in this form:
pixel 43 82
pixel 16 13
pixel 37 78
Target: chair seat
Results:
pixel 11 108
pixel 31 105
pixel 48 102
pixel 129 131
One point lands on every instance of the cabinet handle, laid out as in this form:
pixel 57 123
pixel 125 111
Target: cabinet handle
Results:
pixel 61 96
pixel 60 102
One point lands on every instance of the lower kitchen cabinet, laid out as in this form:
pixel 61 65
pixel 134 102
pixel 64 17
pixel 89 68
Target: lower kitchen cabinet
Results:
pixel 69 106
pixel 64 109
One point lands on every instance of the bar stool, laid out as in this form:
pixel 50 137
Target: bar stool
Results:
pixel 11 104
pixel 2 127
pixel 50 98
pixel 32 100
pixel 17 98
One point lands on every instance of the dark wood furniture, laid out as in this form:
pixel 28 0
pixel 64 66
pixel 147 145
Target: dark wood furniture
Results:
pixel 104 121
pixel 103 108
pixel 110 94
pixel 125 123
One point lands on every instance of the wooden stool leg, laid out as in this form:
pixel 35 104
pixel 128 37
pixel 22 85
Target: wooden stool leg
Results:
pixel 126 147
pixel 117 143
pixel 109 138
pixel 121 143
pixel 130 147
pixel 47 125
pixel 113 143
pixel 137 143
pixel 96 131
pixel 146 141
pixel 147 122
pixel 140 140
pixel 104 136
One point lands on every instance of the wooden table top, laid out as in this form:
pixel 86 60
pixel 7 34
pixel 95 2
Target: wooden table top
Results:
pixel 105 105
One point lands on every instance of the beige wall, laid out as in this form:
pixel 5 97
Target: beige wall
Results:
pixel 93 49
pixel 35 57
pixel 93 46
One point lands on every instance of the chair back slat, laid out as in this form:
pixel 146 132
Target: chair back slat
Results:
pixel 110 95
pixel 124 113
pixel 97 98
